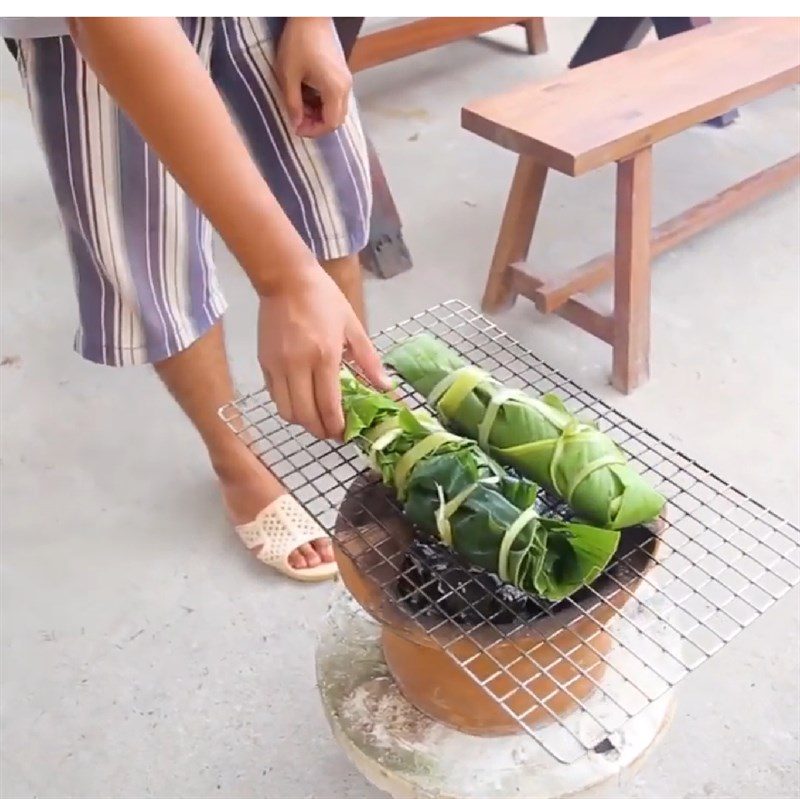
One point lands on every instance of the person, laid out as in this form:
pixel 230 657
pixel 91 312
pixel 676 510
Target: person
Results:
pixel 136 119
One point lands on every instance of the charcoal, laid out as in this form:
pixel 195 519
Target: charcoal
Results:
pixel 436 582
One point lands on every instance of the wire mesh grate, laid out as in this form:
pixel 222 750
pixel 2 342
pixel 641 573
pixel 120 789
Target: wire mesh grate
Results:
pixel 671 599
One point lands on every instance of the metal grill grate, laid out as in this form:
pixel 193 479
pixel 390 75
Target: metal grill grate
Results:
pixel 720 560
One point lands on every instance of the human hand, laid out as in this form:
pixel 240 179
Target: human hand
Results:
pixel 304 329
pixel 313 75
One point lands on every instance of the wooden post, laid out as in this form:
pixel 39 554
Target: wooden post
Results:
pixel 516 231
pixel 631 345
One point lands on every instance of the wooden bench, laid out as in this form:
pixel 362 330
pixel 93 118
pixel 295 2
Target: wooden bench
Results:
pixel 409 38
pixel 614 110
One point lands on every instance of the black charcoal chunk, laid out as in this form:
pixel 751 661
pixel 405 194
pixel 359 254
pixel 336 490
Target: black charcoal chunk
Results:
pixel 435 581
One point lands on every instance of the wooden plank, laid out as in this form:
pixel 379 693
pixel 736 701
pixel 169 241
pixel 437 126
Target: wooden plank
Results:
pixel 631 344
pixel 516 231
pixel 579 310
pixel 671 26
pixel 415 37
pixel 611 35
pixel 554 292
pixel 607 110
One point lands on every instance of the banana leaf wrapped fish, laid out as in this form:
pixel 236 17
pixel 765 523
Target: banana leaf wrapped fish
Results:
pixel 538 437
pixel 451 489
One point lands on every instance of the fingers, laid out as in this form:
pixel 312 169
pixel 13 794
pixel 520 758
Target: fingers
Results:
pixel 311 124
pixel 304 404
pixel 366 356
pixel 334 106
pixel 279 391
pixel 311 127
pixel 301 341
pixel 310 395
pixel 326 109
pixel 292 89
pixel 328 396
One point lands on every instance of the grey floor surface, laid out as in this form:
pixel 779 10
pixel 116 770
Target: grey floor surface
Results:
pixel 144 653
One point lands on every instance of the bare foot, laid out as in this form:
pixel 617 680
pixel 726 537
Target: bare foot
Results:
pixel 247 488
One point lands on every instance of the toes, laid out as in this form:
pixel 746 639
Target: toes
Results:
pixel 323 548
pixel 310 555
pixel 297 560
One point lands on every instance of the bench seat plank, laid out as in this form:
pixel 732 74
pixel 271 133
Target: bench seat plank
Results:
pixel 610 109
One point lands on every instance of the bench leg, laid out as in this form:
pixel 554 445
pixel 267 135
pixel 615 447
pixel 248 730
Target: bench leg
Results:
pixel 631 341
pixel 535 35
pixel 516 231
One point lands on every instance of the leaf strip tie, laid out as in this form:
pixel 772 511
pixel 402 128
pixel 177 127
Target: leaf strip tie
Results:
pixel 508 540
pixel 419 451
pixel 593 466
pixel 454 388
pixel 447 509
pixel 492 409
pixel 385 432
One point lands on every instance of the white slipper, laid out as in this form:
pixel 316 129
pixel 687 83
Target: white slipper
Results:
pixel 280 528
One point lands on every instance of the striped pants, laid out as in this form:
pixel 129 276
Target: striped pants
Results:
pixel 141 251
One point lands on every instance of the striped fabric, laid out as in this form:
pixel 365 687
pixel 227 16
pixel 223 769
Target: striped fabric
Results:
pixel 32 27
pixel 141 251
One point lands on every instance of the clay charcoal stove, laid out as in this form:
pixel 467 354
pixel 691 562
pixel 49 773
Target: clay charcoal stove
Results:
pixel 483 658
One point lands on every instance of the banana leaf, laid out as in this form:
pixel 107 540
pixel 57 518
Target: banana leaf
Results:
pixel 538 437
pixel 451 489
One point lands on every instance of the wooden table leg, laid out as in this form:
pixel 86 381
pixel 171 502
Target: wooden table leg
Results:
pixel 386 253
pixel 631 344
pixel 516 231
pixel 669 26
pixel 608 36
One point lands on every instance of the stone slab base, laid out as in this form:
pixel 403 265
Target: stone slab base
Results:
pixel 410 756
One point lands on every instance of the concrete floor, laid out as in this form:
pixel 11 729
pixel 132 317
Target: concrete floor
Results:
pixel 145 654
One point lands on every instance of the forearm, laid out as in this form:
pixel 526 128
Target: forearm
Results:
pixel 152 71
